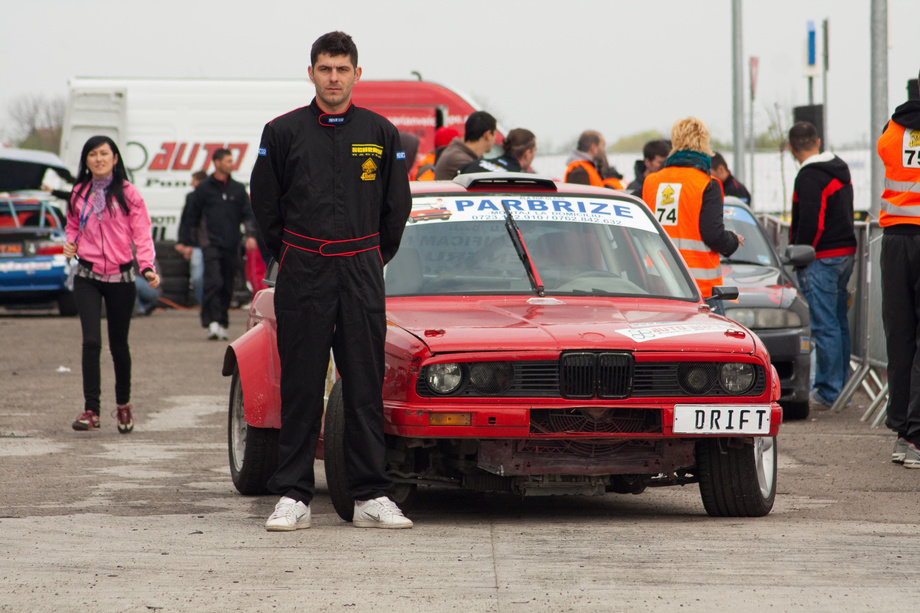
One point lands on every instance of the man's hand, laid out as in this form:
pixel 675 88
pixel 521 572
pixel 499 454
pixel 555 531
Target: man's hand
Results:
pixel 152 278
pixel 185 250
pixel 740 239
pixel 251 244
pixel 70 249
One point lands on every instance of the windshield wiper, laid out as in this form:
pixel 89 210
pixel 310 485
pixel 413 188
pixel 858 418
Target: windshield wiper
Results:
pixel 518 241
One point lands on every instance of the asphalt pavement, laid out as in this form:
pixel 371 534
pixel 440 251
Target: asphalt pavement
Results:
pixel 150 521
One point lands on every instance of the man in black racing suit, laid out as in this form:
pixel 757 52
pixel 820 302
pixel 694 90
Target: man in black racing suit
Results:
pixel 331 196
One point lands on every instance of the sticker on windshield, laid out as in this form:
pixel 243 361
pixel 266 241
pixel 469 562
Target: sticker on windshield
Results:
pixel 491 208
pixel 641 334
pixel 666 203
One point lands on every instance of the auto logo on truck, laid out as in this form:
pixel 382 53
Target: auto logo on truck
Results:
pixel 183 156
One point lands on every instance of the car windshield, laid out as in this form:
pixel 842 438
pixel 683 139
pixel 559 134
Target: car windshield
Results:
pixel 756 249
pixel 578 246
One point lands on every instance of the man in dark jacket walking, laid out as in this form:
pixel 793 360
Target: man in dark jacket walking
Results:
pixel 822 216
pixel 331 196
pixel 223 205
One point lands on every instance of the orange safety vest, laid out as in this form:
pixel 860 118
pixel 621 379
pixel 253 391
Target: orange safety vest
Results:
pixel 425 169
pixel 593 176
pixel 675 195
pixel 899 149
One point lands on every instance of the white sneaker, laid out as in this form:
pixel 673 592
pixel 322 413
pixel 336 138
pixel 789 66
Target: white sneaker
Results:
pixel 379 513
pixel 213 331
pixel 221 333
pixel 289 515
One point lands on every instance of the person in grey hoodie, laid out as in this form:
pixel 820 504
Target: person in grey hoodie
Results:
pixel 478 139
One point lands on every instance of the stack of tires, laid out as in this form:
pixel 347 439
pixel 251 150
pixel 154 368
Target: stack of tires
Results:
pixel 174 274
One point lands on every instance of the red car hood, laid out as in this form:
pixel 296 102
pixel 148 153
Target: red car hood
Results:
pixel 456 324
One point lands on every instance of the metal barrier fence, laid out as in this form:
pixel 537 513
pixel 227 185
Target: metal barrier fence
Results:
pixel 868 352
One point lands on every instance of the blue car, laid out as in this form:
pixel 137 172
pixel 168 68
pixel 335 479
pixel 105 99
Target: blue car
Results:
pixel 33 269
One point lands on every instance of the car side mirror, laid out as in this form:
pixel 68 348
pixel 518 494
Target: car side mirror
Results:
pixel 722 292
pixel 799 256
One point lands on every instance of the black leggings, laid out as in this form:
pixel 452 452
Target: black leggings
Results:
pixel 119 304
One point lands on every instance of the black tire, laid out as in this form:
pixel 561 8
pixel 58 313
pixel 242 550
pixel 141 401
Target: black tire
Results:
pixel 334 454
pixel 67 307
pixel 173 266
pixel 737 479
pixel 175 289
pixel 795 410
pixel 253 451
pixel 174 273
pixel 403 494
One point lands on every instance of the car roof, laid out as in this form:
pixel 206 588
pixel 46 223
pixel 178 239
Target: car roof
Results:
pixel 736 201
pixel 510 181
pixel 24 168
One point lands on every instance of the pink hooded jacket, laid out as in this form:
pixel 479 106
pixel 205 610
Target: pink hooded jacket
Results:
pixel 107 243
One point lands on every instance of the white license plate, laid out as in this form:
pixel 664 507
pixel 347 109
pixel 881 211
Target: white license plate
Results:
pixel 722 419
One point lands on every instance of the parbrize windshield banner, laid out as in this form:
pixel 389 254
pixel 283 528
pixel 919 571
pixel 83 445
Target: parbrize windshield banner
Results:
pixel 490 208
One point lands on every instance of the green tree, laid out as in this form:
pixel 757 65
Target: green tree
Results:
pixel 634 142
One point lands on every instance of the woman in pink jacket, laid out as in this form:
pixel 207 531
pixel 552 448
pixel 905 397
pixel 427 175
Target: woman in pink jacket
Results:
pixel 107 221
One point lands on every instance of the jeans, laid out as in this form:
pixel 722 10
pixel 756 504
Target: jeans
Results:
pixel 147 297
pixel 196 273
pixel 824 283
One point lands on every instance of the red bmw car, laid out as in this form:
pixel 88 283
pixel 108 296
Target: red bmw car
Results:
pixel 543 338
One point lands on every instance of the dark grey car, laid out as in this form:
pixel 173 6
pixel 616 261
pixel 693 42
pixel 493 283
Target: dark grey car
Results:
pixel 770 303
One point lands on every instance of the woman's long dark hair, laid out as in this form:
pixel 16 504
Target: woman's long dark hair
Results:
pixel 84 181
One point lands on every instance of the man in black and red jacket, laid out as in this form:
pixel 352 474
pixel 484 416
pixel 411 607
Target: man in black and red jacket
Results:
pixel 822 216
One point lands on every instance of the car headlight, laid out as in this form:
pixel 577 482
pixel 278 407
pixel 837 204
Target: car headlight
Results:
pixel 764 318
pixel 444 378
pixel 736 377
pixel 695 378
pixel 491 377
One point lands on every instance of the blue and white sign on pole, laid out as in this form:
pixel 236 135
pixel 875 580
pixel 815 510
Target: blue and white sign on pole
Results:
pixel 811 67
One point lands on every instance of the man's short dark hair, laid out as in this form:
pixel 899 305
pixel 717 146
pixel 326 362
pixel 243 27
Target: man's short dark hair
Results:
pixel 220 154
pixel 477 124
pixel 718 161
pixel 655 148
pixel 803 136
pixel 199 175
pixel 588 139
pixel 334 43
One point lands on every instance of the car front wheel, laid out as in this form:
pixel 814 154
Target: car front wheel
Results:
pixel 253 451
pixel 737 478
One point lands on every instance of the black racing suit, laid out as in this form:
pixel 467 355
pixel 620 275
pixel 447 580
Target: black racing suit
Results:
pixel 331 196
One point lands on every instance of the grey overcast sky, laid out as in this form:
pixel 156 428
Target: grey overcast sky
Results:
pixel 553 66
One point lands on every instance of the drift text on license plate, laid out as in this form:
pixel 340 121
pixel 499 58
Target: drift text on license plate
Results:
pixel 722 419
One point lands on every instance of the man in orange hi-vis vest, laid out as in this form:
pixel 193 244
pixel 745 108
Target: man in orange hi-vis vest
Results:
pixel 688 204
pixel 899 216
pixel 588 165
